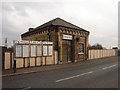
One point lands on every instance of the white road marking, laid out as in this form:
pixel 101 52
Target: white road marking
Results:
pixel 109 66
pixel 73 76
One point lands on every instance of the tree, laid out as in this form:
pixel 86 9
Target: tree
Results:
pixel 96 46
pixel 10 48
pixel 114 47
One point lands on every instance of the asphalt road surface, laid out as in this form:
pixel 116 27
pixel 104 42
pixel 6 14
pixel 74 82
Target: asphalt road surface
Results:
pixel 98 74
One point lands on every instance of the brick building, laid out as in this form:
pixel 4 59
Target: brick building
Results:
pixel 69 40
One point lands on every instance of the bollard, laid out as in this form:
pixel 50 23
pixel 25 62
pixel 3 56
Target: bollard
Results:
pixel 14 66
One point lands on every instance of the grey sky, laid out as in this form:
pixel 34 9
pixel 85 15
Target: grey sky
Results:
pixel 100 17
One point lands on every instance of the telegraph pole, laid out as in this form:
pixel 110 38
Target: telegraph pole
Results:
pixel 6 41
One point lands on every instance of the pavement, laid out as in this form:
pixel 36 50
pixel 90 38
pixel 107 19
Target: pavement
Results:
pixel 100 73
pixel 29 70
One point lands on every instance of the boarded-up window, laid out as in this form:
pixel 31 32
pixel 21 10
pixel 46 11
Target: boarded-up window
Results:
pixel 33 51
pixel 26 51
pixel 39 50
pixel 50 50
pixel 18 51
pixel 45 50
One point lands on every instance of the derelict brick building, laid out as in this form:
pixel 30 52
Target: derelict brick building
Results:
pixel 69 40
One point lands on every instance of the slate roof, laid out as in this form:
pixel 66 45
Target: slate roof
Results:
pixel 60 22
pixel 55 22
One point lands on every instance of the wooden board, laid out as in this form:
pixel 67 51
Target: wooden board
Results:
pixel 26 51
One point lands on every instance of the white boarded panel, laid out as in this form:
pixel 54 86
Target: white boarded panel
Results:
pixel 43 60
pixel 95 54
pixel 32 61
pixel 18 51
pixel 49 60
pixel 33 51
pixel 7 60
pixel 25 50
pixel 108 53
pixel 39 50
pixel 103 53
pixel 91 54
pixel 50 50
pixel 113 52
pixel 88 54
pixel 19 62
pixel 45 50
pixel 100 53
pixel 26 62
pixel 56 57
pixel 38 62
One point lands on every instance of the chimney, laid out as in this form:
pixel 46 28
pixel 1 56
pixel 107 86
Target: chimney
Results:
pixel 30 29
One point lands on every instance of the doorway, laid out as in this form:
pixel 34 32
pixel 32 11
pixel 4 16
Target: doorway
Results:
pixel 66 51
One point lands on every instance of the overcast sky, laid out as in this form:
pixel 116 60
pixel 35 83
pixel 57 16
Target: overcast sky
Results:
pixel 100 17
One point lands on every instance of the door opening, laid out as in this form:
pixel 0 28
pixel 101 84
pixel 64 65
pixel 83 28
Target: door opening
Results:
pixel 66 51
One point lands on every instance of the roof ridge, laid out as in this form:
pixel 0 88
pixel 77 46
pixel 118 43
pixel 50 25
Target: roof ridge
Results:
pixel 44 24
pixel 58 21
pixel 70 23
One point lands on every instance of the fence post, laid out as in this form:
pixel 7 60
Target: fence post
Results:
pixel 14 66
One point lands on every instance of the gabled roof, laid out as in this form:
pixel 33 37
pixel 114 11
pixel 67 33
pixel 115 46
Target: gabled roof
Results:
pixel 60 22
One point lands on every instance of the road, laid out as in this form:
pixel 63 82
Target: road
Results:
pixel 98 74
